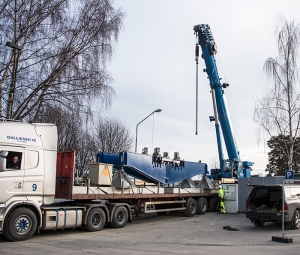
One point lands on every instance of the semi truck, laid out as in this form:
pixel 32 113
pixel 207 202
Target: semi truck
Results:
pixel 39 191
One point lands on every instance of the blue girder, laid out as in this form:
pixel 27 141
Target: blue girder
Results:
pixel 154 168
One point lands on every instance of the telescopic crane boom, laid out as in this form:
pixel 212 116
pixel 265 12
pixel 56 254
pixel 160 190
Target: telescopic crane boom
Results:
pixel 233 166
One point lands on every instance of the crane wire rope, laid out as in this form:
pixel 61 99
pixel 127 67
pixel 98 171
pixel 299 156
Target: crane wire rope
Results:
pixel 152 132
pixel 222 68
pixel 196 59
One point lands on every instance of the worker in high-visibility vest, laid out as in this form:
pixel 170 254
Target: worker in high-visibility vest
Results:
pixel 221 195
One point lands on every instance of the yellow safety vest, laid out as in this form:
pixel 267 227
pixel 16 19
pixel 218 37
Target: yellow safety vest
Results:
pixel 221 193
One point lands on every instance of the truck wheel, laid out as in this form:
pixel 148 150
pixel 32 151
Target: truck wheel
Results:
pixel 21 225
pixel 296 219
pixel 191 208
pixel 214 204
pixel 119 217
pixel 201 205
pixel 96 220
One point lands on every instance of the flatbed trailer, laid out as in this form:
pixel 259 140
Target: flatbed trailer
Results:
pixel 146 200
pixel 143 198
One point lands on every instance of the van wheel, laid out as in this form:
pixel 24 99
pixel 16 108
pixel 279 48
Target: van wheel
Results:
pixel 296 220
pixel 119 217
pixel 258 223
pixel 21 225
pixel 96 220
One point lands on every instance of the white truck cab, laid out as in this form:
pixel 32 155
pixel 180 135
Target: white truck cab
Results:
pixel 32 181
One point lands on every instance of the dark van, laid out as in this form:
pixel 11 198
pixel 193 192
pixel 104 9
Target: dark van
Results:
pixel 264 204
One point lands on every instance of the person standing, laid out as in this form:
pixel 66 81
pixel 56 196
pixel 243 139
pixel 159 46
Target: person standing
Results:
pixel 221 195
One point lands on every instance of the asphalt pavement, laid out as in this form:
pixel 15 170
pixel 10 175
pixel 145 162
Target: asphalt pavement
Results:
pixel 163 234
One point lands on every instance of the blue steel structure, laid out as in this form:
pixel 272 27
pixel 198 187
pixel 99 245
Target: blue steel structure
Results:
pixel 155 168
pixel 233 166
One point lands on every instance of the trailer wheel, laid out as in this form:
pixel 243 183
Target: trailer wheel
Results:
pixel 21 225
pixel 201 205
pixel 96 220
pixel 296 219
pixel 119 217
pixel 191 208
pixel 214 204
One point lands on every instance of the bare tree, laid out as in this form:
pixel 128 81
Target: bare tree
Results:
pixel 76 132
pixel 214 163
pixel 112 135
pixel 64 47
pixel 278 111
pixel 73 133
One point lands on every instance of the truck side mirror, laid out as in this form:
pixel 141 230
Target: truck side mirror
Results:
pixel 3 155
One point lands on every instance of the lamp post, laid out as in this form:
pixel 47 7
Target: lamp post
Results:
pixel 136 131
pixel 11 95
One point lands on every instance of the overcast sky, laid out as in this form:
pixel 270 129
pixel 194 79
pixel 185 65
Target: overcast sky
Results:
pixel 153 67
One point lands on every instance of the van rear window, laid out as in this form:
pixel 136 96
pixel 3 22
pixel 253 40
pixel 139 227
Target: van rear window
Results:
pixel 261 192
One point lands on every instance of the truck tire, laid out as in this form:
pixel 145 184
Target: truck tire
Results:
pixel 119 217
pixel 21 225
pixel 191 208
pixel 214 204
pixel 96 220
pixel 201 205
pixel 296 219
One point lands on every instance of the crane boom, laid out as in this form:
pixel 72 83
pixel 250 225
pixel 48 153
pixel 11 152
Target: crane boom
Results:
pixel 233 165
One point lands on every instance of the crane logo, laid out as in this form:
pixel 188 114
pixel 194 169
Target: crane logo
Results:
pixel 21 139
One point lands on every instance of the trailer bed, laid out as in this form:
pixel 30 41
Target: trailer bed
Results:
pixel 118 194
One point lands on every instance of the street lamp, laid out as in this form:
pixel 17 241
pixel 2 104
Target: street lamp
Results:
pixel 136 131
pixel 11 95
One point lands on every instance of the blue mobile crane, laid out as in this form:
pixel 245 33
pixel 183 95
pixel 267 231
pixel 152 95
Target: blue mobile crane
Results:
pixel 233 166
